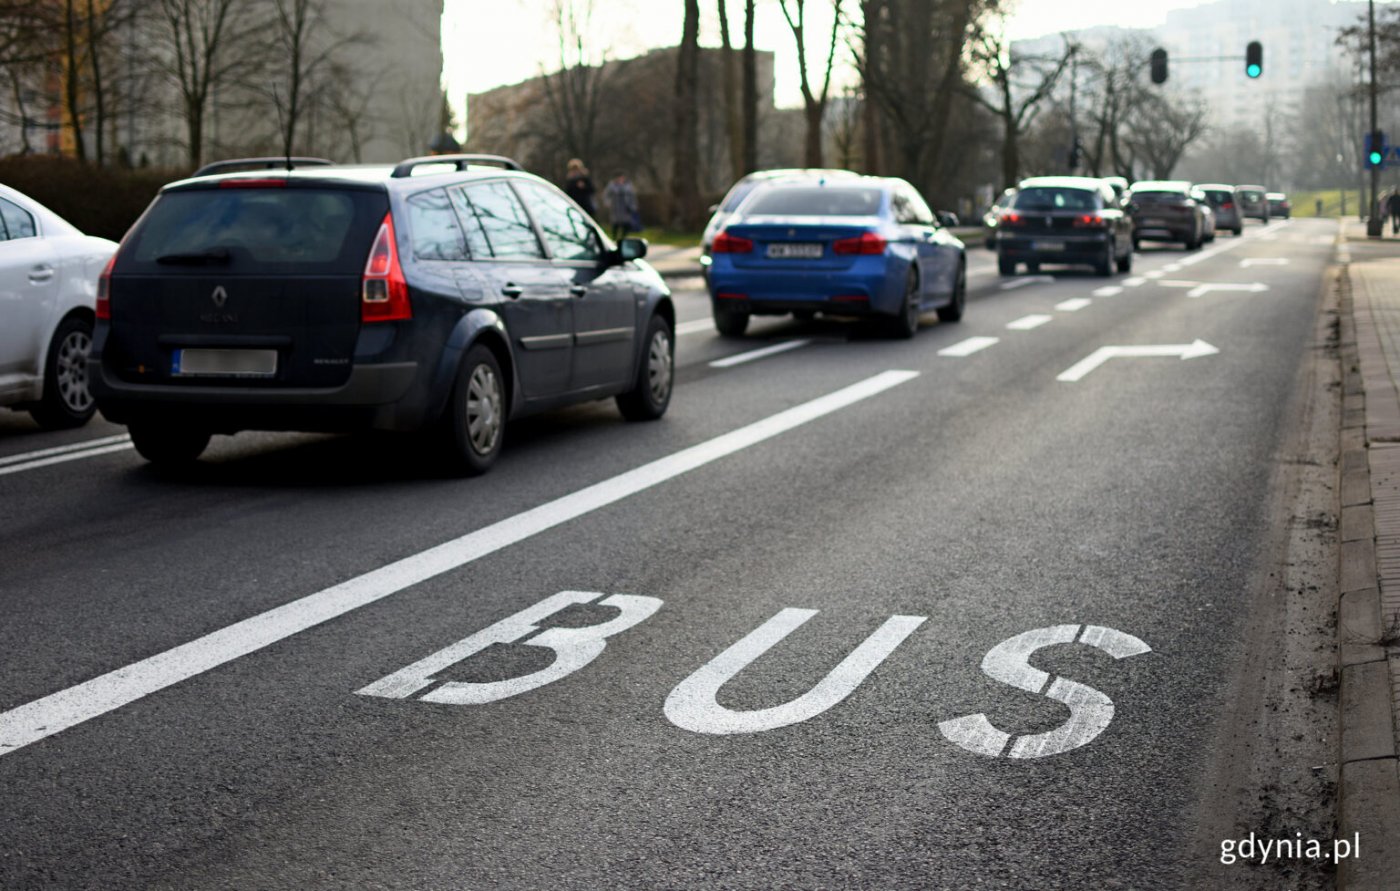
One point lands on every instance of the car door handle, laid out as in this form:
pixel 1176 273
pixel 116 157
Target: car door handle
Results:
pixel 40 274
pixel 512 290
pixel 578 290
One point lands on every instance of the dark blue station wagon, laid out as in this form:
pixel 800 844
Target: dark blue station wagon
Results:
pixel 447 294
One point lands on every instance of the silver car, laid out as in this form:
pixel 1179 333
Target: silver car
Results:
pixel 1225 203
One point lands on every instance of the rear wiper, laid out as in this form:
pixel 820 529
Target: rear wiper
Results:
pixel 211 257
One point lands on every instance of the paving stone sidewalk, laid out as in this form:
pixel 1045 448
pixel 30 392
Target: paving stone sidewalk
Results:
pixel 1368 615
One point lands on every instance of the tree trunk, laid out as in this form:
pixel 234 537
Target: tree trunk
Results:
pixel 869 113
pixel 98 88
pixel 732 118
pixel 72 89
pixel 686 155
pixel 814 113
pixel 750 92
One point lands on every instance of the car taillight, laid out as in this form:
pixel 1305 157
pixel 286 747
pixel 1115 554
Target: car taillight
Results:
pixel 104 290
pixel 864 243
pixel 1228 205
pixel 1089 221
pixel 731 244
pixel 1009 218
pixel 384 291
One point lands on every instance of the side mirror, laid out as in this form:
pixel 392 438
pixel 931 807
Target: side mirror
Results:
pixel 631 249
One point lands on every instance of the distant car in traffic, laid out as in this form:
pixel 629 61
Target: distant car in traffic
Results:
pixel 1163 210
pixel 1119 184
pixel 720 213
pixel 1253 202
pixel 1222 200
pixel 1064 219
pixel 448 294
pixel 48 293
pixel 1207 212
pixel 992 218
pixel 1278 205
pixel 865 247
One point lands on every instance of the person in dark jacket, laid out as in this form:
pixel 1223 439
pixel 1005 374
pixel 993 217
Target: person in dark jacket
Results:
pixel 578 185
pixel 1392 210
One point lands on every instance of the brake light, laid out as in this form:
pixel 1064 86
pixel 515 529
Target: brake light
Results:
pixel 863 244
pixel 1228 205
pixel 731 244
pixel 1010 218
pixel 384 291
pixel 1089 221
pixel 104 290
pixel 246 183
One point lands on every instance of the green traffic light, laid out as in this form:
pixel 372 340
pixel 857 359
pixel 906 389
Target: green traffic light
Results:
pixel 1253 71
pixel 1376 158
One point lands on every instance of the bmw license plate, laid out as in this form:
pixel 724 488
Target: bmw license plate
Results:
pixel 224 363
pixel 1047 245
pixel 794 251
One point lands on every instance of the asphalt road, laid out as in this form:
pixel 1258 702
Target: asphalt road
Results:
pixel 978 494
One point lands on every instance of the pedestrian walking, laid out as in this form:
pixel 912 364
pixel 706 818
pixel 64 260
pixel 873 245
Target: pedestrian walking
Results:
pixel 623 210
pixel 1392 209
pixel 578 185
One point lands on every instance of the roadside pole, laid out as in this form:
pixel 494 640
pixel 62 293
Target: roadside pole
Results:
pixel 1375 221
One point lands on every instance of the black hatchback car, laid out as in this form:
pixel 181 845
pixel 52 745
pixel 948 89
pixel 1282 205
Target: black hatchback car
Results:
pixel 1064 219
pixel 448 294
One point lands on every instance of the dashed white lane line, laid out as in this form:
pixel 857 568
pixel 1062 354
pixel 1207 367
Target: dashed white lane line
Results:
pixel 968 347
pixel 1108 291
pixel 1134 282
pixel 741 358
pixel 1263 261
pixel 66 708
pixel 1026 323
pixel 60 454
pixel 1154 274
pixel 695 326
pixel 1074 304
pixel 1172 267
pixel 1028 280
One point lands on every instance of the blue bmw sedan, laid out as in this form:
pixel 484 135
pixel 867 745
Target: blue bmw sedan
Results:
pixel 851 247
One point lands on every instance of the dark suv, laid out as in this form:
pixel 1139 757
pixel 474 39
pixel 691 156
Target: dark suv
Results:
pixel 448 294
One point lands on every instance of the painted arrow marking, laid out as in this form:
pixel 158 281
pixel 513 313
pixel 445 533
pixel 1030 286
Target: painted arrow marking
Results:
pixel 1265 261
pixel 1028 280
pixel 1181 351
pixel 1252 288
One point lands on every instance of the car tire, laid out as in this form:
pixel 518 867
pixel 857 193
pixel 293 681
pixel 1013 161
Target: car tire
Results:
pixel 656 378
pixel 1239 230
pixel 1033 268
pixel 1125 262
pixel 1006 267
pixel 166 445
pixel 1104 266
pixel 66 402
pixel 906 324
pixel 473 427
pixel 731 322
pixel 953 312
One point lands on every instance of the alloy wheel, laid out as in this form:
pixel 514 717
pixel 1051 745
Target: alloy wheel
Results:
pixel 484 414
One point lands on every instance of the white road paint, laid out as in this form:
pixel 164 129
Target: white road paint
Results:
pixel 1174 266
pixel 1026 323
pixel 1108 291
pixel 573 649
pixel 1266 261
pixel 1098 357
pixel 61 454
pixel 1074 304
pixel 1009 662
pixel 1134 281
pixel 40 718
pixel 741 358
pixel 968 347
pixel 1205 288
pixel 1154 274
pixel 1028 280
pixel 695 326
pixel 1177 283
pixel 692 704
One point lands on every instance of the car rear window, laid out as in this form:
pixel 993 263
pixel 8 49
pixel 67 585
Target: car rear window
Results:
pixel 1160 196
pixel 737 195
pixel 1251 195
pixel 817 201
pixel 287 230
pixel 1056 198
pixel 1217 197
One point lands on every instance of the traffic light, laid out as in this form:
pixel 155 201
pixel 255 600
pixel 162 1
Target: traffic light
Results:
pixel 1076 155
pixel 1159 66
pixel 1375 149
pixel 1254 59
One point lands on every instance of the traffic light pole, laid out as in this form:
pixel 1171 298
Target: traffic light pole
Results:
pixel 1375 221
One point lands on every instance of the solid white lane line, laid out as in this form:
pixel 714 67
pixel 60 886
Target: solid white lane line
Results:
pixel 60 459
pixel 51 714
pixel 1074 304
pixel 1264 261
pixel 1133 282
pixel 1028 280
pixel 1026 323
pixel 741 358
pixel 1108 291
pixel 968 347
pixel 63 449
pixel 695 326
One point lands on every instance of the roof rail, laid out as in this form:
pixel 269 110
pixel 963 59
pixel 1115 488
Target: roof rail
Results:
pixel 461 162
pixel 281 162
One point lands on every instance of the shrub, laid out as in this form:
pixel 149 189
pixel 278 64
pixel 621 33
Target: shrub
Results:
pixel 102 201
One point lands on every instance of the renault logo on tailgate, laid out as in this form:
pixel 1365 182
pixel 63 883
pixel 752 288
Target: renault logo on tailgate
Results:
pixel 220 297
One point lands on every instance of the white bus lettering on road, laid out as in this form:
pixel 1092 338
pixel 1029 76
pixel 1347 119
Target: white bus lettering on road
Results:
pixel 1009 662
pixel 573 649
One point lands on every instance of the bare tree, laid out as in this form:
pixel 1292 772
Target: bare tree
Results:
pixel 307 48
pixel 1161 128
pixel 685 190
pixel 814 102
pixel 1022 84
pixel 732 118
pixel 750 91
pixel 574 95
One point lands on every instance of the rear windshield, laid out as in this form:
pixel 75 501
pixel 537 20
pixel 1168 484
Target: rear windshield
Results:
pixel 1251 195
pixel 300 231
pixel 737 195
pixel 1217 197
pixel 1159 196
pixel 1056 198
pixel 817 201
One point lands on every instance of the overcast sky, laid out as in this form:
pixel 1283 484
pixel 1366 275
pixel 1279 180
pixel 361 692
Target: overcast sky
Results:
pixel 487 43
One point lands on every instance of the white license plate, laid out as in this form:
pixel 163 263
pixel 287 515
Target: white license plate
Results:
pixel 1047 245
pixel 1154 224
pixel 224 363
pixel 794 251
